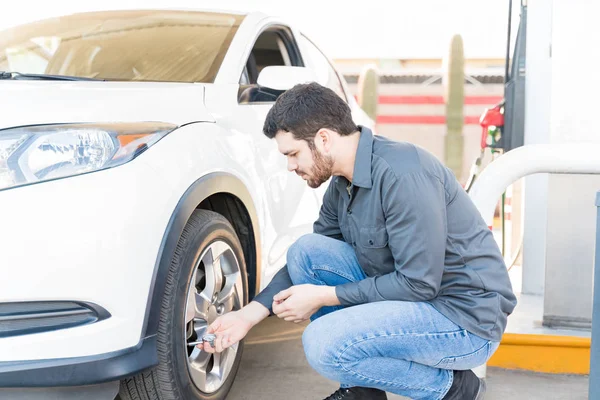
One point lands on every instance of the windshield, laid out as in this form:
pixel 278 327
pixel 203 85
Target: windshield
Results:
pixel 174 46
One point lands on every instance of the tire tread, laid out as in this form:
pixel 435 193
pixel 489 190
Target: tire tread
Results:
pixel 159 382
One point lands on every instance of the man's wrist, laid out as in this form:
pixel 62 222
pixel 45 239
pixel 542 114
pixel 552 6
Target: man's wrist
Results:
pixel 255 312
pixel 328 296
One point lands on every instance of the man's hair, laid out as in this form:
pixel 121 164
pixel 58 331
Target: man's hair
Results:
pixel 306 108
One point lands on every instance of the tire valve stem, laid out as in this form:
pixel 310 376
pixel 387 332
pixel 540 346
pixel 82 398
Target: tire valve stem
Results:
pixel 209 338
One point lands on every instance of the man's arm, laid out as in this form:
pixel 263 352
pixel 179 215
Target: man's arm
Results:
pixel 415 210
pixel 234 326
pixel 326 224
pixel 280 281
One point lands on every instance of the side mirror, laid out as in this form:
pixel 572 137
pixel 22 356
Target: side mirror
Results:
pixel 284 77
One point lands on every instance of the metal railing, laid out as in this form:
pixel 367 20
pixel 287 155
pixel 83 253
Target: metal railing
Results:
pixel 564 158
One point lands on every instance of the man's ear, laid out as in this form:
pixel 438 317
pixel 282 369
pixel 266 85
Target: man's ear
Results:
pixel 323 140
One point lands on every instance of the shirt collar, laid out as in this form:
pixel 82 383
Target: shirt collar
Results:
pixel 362 164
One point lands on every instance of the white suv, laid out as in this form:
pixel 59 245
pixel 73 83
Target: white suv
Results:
pixel 139 198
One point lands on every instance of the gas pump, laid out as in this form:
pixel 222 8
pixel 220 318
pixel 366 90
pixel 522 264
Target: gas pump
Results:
pixel 503 125
pixel 492 122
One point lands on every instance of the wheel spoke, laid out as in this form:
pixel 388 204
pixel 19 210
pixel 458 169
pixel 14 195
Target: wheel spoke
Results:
pixel 224 362
pixel 230 295
pixel 202 304
pixel 198 363
pixel 214 273
pixel 190 304
pixel 218 276
pixel 197 305
pixel 200 327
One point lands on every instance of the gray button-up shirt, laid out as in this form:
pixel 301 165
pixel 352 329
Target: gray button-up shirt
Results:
pixel 417 236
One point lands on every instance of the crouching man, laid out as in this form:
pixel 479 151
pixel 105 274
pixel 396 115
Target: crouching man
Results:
pixel 402 280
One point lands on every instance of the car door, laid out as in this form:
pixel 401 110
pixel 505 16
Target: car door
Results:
pixel 292 205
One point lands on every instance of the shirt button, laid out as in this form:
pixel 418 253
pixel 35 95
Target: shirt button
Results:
pixel 371 242
pixel 354 244
pixel 349 211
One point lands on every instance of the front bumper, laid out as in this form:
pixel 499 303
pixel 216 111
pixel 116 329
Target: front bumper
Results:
pixel 80 370
pixel 94 239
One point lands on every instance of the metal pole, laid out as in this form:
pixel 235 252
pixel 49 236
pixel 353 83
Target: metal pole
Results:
pixel 507 61
pixel 594 392
pixel 503 225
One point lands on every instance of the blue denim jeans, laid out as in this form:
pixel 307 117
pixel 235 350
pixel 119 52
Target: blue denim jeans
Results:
pixel 407 348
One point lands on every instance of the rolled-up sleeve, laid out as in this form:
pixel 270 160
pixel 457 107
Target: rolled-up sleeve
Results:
pixel 415 212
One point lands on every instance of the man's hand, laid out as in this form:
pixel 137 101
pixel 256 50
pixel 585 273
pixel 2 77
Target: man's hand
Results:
pixel 299 302
pixel 234 326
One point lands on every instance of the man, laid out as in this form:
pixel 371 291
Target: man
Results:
pixel 402 279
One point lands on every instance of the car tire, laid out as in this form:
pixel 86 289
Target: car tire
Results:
pixel 178 375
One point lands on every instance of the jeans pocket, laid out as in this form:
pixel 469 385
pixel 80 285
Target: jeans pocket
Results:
pixel 466 361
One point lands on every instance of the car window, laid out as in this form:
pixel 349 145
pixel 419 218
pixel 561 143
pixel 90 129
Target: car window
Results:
pixel 170 46
pixel 325 72
pixel 273 47
pixel 269 49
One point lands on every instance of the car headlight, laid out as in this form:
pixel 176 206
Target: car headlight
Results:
pixel 39 153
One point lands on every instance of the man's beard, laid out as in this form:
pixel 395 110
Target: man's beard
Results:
pixel 321 170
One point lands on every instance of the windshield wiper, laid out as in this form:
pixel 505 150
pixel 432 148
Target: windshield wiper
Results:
pixel 43 77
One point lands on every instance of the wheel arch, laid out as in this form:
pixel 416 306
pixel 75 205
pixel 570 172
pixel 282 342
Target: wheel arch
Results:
pixel 227 195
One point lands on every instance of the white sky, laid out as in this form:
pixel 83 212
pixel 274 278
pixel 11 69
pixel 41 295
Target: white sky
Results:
pixel 343 29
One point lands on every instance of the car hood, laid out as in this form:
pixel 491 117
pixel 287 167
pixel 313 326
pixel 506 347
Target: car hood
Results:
pixel 47 102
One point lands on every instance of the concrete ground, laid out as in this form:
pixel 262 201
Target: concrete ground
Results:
pixel 274 367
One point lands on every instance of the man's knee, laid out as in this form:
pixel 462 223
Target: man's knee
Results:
pixel 306 245
pixel 319 348
pixel 298 256
pixel 313 343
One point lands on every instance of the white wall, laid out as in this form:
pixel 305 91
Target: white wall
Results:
pixel 562 87
pixel 571 209
pixel 537 130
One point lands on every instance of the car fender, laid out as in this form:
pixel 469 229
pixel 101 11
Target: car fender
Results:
pixel 216 169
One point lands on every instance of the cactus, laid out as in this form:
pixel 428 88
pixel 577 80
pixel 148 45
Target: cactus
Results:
pixel 454 94
pixel 368 83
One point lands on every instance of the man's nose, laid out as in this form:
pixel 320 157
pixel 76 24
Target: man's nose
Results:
pixel 292 166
